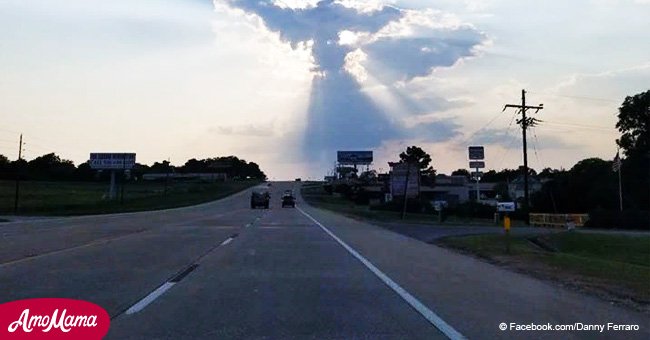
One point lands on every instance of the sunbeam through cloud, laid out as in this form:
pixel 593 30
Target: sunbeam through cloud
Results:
pixel 363 55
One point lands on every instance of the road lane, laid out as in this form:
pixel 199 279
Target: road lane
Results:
pixel 475 296
pixel 283 278
pixel 112 260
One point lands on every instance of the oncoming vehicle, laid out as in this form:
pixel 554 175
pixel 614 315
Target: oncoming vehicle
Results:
pixel 260 198
pixel 288 200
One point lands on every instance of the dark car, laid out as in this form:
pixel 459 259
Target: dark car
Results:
pixel 288 200
pixel 260 198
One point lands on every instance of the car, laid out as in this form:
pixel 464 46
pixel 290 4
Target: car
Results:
pixel 298 179
pixel 288 200
pixel 260 198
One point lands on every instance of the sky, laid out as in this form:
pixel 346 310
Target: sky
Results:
pixel 287 83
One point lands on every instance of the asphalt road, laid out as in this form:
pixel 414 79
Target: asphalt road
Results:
pixel 221 270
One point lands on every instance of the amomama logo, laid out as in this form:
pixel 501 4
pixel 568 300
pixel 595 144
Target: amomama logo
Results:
pixel 52 318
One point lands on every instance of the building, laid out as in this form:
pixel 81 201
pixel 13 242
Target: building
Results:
pixel 459 189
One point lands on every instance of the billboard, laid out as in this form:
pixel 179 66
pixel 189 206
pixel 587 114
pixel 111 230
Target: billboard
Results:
pixel 398 183
pixel 354 157
pixel 476 152
pixel 112 161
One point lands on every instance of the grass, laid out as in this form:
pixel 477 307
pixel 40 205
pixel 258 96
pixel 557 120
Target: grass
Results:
pixel 316 196
pixel 77 198
pixel 616 264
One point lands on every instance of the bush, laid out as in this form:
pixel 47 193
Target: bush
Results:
pixel 628 219
pixel 343 189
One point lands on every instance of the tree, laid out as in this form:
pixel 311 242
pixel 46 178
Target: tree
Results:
pixel 634 124
pixel 194 166
pixel 415 155
pixel 50 166
pixel 162 168
pixel 346 171
pixel 589 185
pixel 461 172
pixel 368 176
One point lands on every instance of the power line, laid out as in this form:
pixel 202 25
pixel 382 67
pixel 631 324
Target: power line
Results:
pixel 535 144
pixel 576 97
pixel 482 128
pixel 583 126
pixel 505 151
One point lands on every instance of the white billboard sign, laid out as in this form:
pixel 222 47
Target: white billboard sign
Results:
pixel 505 206
pixel 112 161
pixel 398 177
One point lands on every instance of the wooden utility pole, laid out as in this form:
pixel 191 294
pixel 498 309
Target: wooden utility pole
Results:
pixel 525 122
pixel 18 165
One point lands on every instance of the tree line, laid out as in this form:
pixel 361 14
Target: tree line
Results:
pixel 51 167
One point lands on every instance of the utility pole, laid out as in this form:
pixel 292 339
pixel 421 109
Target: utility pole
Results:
pixel 525 122
pixel 18 165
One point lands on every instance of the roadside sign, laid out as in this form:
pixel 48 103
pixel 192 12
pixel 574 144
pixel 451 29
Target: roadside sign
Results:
pixel 439 205
pixel 112 161
pixel 505 206
pixel 476 152
pixel 477 165
pixel 477 174
pixel 398 180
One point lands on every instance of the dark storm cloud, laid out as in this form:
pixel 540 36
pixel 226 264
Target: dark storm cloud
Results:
pixel 340 115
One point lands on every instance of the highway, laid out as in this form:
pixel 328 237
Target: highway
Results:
pixel 221 270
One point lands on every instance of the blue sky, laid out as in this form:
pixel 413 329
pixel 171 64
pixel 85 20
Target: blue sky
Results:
pixel 287 83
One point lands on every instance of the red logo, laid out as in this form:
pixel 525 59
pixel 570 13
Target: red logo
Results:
pixel 52 318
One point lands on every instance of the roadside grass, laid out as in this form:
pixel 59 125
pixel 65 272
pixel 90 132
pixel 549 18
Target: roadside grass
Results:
pixel 316 196
pixel 613 264
pixel 77 198
pixel 616 267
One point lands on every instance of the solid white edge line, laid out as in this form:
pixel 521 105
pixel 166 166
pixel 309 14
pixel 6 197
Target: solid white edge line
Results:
pixel 150 298
pixel 228 240
pixel 428 314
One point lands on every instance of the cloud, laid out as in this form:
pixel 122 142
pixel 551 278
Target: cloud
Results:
pixel 252 130
pixel 361 51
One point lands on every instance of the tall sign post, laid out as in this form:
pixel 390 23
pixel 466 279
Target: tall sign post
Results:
pixel 113 162
pixel 476 156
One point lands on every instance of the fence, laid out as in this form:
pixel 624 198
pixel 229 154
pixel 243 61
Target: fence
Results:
pixel 558 220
